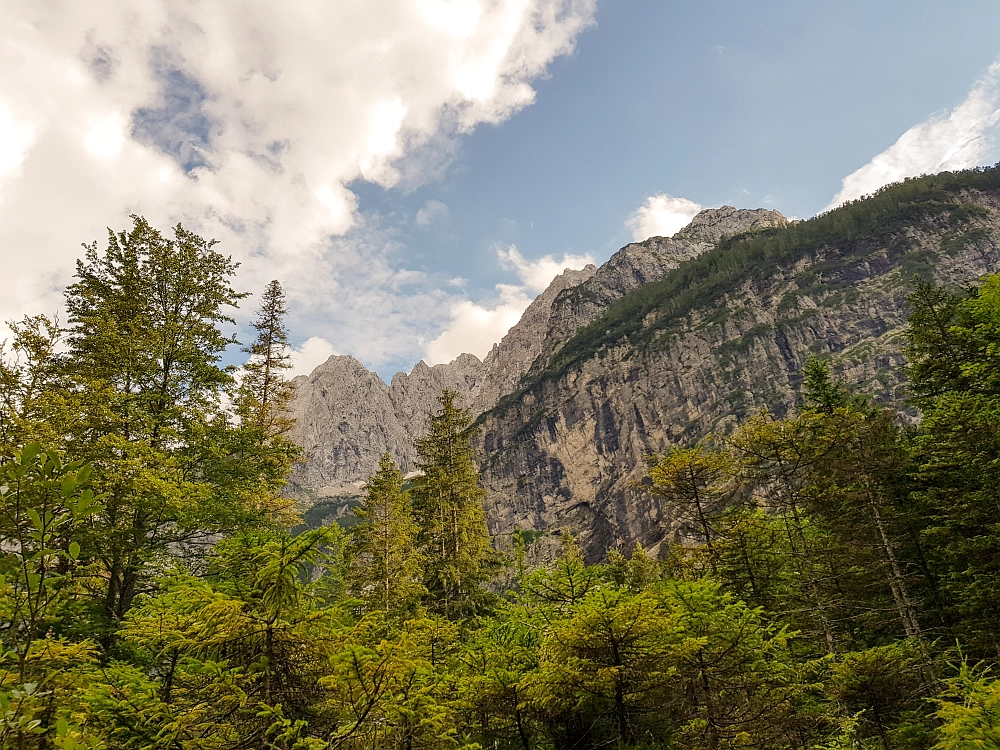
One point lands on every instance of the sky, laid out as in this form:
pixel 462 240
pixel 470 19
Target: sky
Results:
pixel 414 172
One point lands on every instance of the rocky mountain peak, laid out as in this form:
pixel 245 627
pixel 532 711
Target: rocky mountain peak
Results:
pixel 712 224
pixel 347 417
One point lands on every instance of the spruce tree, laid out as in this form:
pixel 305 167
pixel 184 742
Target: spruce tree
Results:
pixel 385 567
pixel 264 392
pixel 448 507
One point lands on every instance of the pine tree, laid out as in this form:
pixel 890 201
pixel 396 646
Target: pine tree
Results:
pixel 264 391
pixel 385 567
pixel 694 482
pixel 448 506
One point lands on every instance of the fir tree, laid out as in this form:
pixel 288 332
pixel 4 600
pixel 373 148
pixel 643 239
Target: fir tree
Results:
pixel 448 507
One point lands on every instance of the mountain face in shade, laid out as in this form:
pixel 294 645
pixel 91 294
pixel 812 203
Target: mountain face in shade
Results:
pixel 670 340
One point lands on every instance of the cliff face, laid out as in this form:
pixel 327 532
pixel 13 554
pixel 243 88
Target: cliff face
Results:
pixel 347 417
pixel 566 451
pixel 670 340
pixel 640 263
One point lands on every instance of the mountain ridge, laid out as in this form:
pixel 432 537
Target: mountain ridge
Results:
pixel 670 339
pixel 340 438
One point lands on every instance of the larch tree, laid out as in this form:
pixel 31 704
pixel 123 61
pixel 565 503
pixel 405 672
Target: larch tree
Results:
pixel 447 502
pixel 384 565
pixel 264 392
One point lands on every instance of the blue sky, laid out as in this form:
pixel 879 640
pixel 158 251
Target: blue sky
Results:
pixel 750 104
pixel 414 171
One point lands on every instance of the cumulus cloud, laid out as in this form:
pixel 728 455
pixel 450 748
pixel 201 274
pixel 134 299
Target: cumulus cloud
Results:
pixel 313 352
pixel 535 275
pixel 431 212
pixel 661 215
pixel 959 139
pixel 474 327
pixel 248 122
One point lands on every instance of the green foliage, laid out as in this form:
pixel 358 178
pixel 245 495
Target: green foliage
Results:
pixel 954 344
pixel 969 709
pixel 821 564
pixel 447 503
pixel 264 394
pixel 385 568
pixel 44 503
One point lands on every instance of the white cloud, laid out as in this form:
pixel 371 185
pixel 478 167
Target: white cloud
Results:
pixel 431 212
pixel 313 352
pixel 959 139
pixel 661 216
pixel 475 327
pixel 535 275
pixel 248 122
pixel 15 139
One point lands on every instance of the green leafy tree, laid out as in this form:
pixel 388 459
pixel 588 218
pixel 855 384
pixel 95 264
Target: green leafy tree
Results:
pixel 143 370
pixel 447 503
pixel 604 668
pixel 778 460
pixel 398 692
pixel 32 401
pixel 696 484
pixel 734 668
pixel 44 503
pixel 969 712
pixel 954 351
pixel 231 660
pixel 884 689
pixel 496 663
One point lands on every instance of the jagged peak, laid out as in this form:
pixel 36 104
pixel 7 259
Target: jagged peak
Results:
pixel 336 362
pixel 421 370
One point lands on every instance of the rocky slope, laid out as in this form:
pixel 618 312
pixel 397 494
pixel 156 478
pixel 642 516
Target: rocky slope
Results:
pixel 640 263
pixel 671 339
pixel 716 340
pixel 347 417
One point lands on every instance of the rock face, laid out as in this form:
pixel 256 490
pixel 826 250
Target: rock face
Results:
pixel 347 417
pixel 562 439
pixel 567 451
pixel 525 342
pixel 639 263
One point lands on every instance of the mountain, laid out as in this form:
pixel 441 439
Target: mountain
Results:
pixel 347 417
pixel 670 340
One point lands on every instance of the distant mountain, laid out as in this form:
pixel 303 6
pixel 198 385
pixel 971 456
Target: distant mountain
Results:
pixel 671 339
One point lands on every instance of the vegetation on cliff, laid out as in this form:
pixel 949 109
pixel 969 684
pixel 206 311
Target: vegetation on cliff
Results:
pixel 848 235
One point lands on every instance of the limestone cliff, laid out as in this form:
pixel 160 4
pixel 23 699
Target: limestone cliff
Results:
pixel 671 339
pixel 716 340
pixel 347 417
